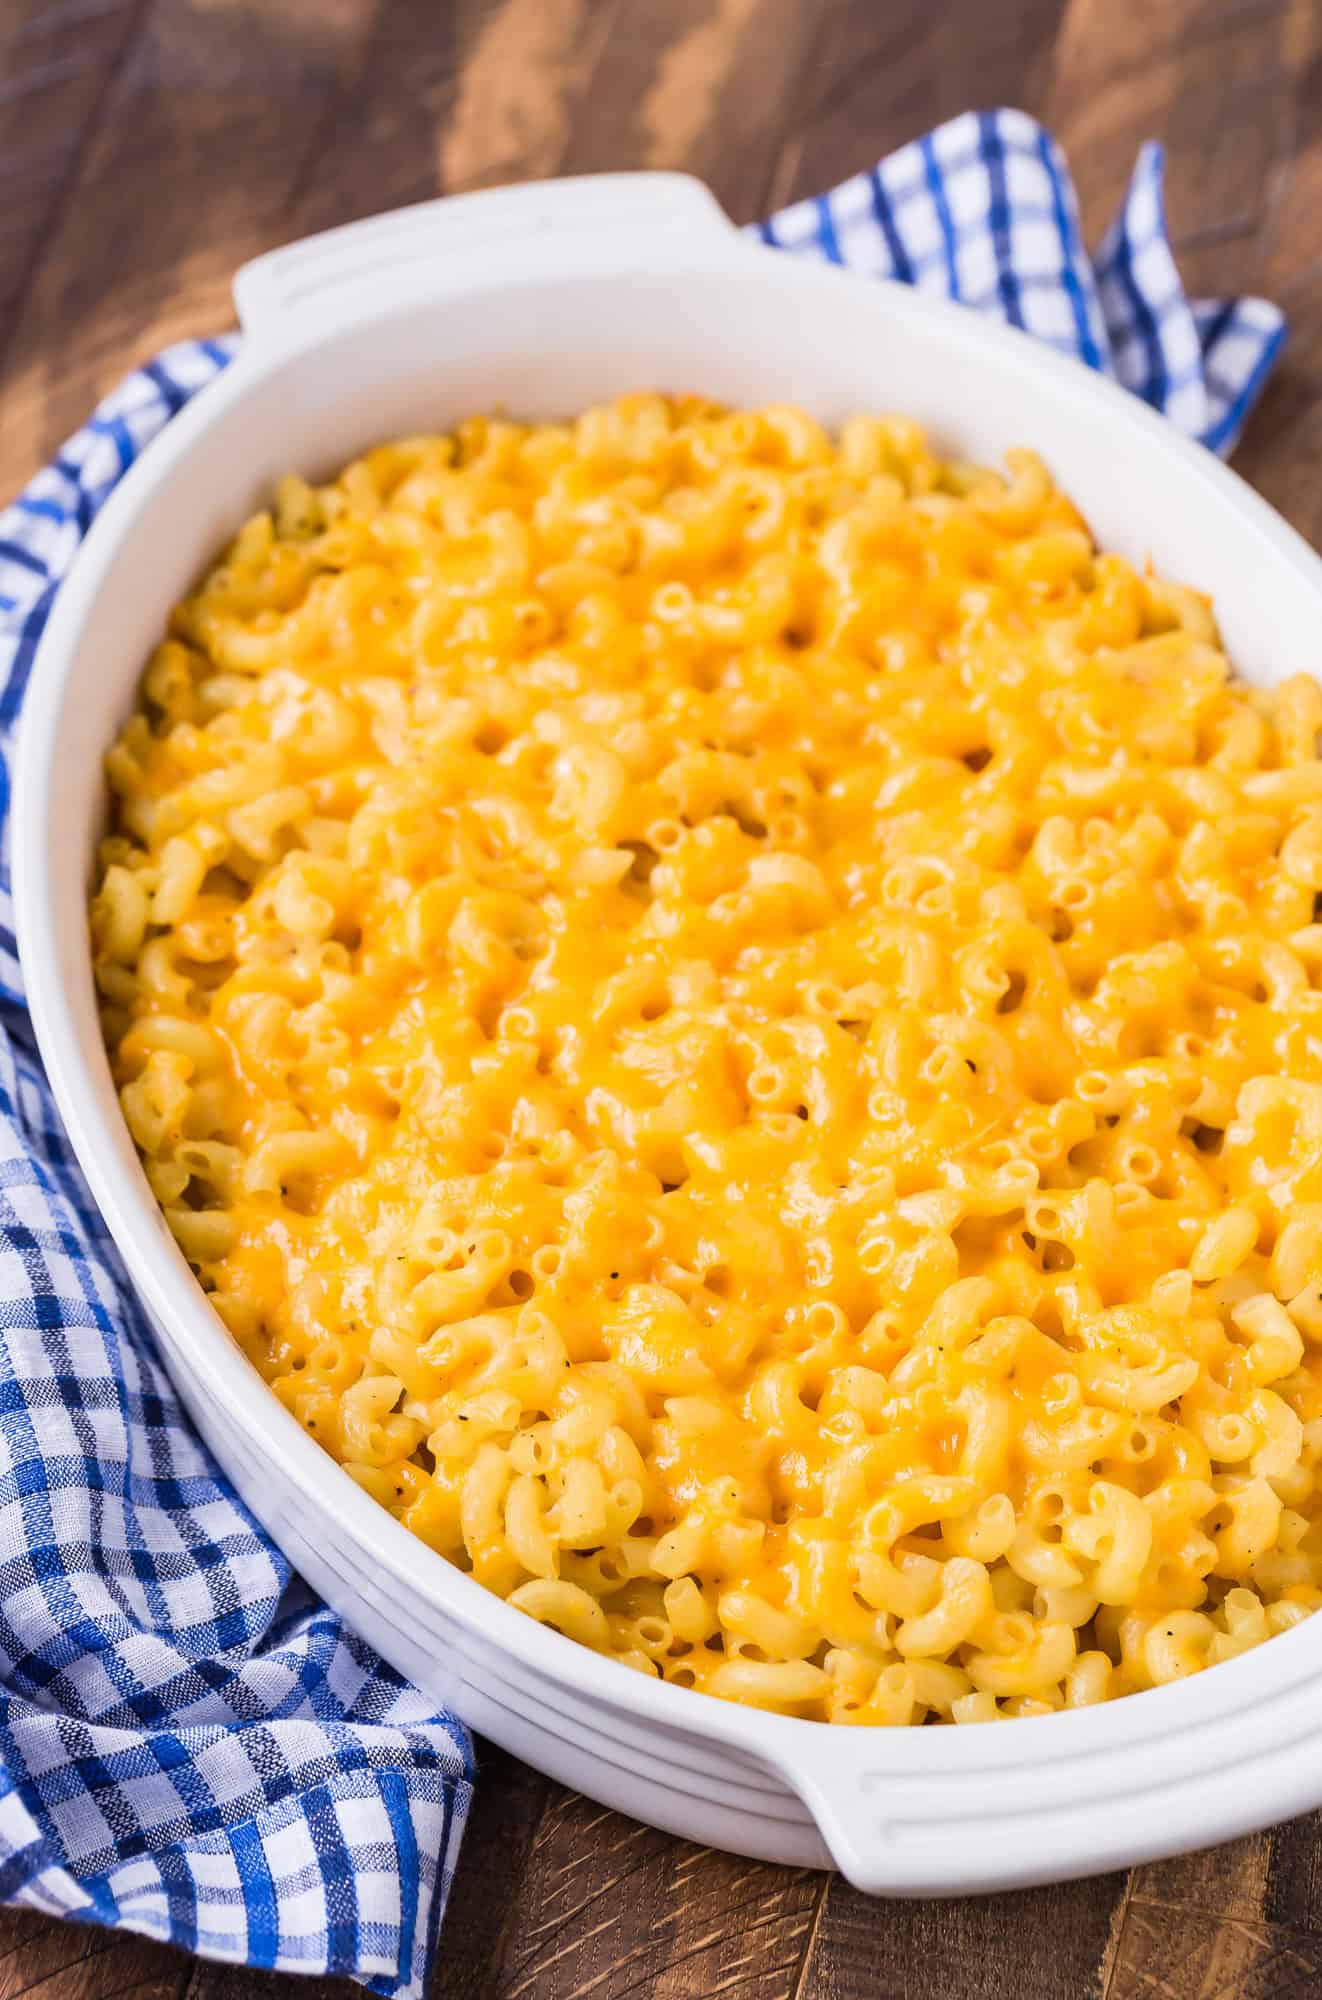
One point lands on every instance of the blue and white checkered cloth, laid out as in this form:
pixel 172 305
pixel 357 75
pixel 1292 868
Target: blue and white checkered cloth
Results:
pixel 189 1745
pixel 983 210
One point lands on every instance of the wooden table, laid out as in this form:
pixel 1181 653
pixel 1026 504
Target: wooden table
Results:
pixel 149 146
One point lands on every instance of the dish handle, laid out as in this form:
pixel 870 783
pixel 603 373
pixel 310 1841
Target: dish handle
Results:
pixel 846 1794
pixel 889 1827
pixel 408 245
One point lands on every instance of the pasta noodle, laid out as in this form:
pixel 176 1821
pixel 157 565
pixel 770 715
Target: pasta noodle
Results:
pixel 727 1015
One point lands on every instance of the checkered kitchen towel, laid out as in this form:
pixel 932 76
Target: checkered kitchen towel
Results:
pixel 189 1746
pixel 983 210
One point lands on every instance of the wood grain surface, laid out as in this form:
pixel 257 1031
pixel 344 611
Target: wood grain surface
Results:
pixel 149 146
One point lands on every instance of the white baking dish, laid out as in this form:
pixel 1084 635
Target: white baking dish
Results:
pixel 545 299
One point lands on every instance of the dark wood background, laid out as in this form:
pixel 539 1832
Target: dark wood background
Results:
pixel 146 148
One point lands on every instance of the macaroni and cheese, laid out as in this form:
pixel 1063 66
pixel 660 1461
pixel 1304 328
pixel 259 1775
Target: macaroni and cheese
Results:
pixel 733 1020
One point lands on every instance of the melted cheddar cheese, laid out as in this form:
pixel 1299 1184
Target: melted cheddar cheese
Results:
pixel 729 1018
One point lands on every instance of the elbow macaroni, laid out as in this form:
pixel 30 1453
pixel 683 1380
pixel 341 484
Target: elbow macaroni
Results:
pixel 729 1018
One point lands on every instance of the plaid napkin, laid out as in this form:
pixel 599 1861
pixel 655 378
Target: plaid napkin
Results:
pixel 983 210
pixel 190 1746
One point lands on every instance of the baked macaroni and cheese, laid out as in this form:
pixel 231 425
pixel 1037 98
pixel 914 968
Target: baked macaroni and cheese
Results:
pixel 733 1020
